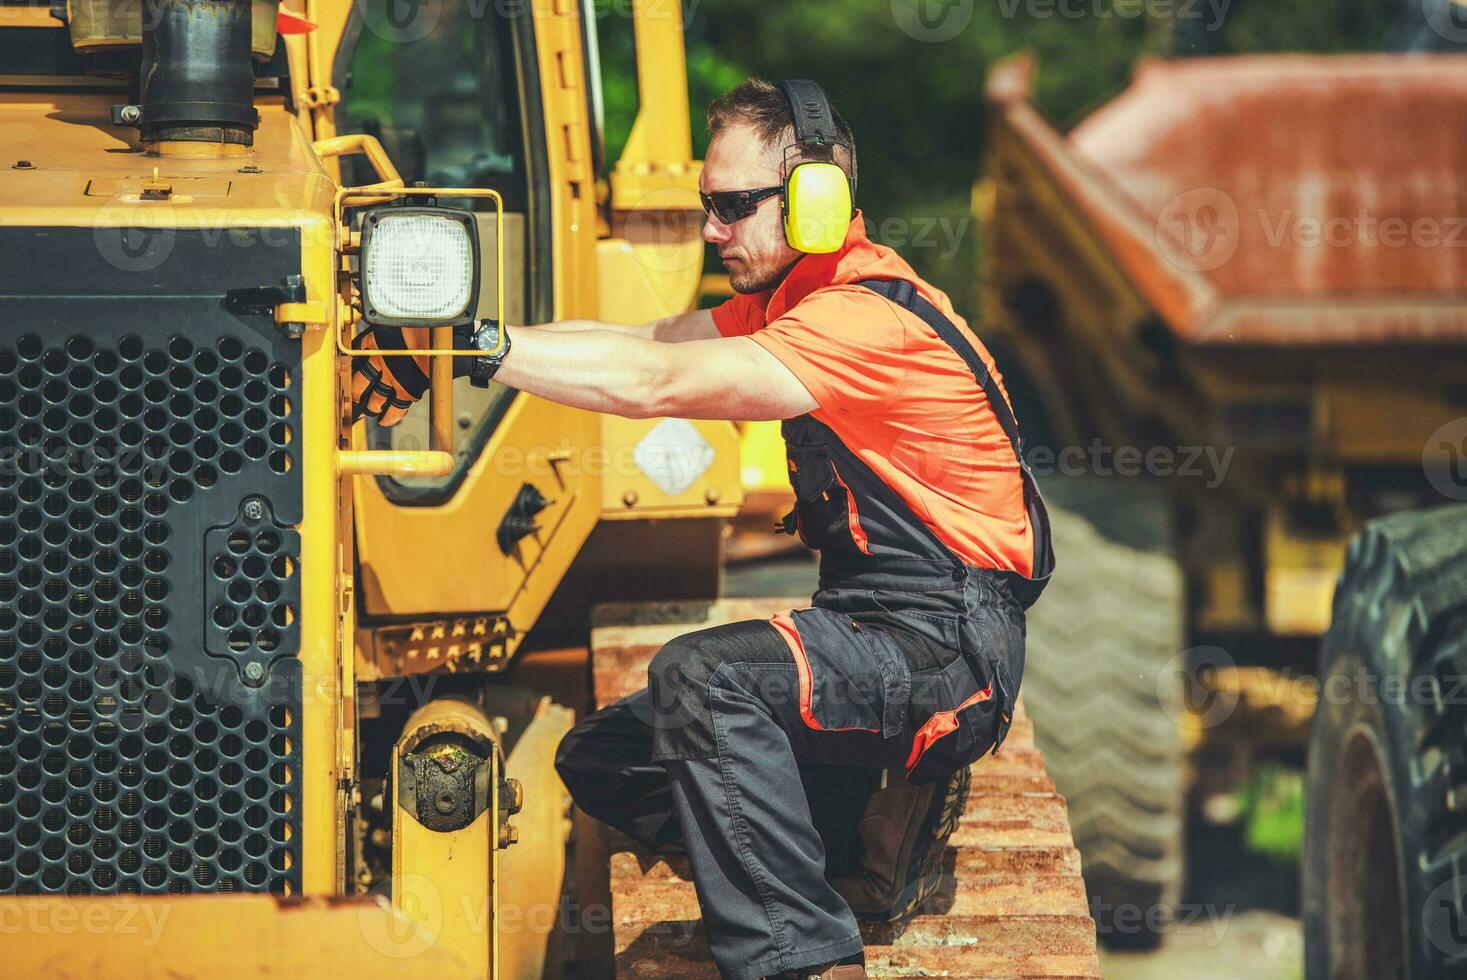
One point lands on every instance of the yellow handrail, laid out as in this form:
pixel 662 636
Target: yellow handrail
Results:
pixel 393 462
pixel 339 146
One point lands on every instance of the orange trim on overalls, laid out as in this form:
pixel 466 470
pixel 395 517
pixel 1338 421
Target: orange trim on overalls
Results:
pixel 940 724
pixel 784 623
pixel 858 533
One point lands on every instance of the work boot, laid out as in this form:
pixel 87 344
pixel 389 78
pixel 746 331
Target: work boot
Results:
pixel 900 842
pixel 828 971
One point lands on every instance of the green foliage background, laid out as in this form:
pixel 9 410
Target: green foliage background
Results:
pixel 917 108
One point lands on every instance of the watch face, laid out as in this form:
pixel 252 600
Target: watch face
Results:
pixel 487 336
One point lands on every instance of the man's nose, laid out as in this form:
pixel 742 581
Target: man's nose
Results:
pixel 714 231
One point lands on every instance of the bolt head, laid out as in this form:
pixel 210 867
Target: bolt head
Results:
pixel 130 114
pixel 254 671
pixel 254 510
pixel 516 793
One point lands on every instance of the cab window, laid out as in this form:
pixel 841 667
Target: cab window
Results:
pixel 439 84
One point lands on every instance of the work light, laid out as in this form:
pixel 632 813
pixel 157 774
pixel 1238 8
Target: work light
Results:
pixel 420 266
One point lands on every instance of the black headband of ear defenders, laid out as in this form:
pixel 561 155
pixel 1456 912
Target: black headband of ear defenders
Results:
pixel 814 119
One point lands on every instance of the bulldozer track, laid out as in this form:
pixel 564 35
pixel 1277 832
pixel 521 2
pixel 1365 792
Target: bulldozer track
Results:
pixel 1012 902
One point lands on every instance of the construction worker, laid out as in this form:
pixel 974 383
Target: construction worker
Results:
pixel 906 464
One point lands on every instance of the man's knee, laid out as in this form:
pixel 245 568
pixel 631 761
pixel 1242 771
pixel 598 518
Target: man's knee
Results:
pixel 681 674
pixel 684 666
pixel 680 669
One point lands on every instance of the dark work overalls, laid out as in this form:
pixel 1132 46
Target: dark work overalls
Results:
pixel 907 658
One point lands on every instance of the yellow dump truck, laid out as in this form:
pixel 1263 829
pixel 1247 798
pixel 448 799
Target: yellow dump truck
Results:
pixel 280 692
pixel 1237 292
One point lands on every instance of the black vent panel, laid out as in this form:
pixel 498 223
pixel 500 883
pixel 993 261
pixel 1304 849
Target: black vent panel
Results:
pixel 140 751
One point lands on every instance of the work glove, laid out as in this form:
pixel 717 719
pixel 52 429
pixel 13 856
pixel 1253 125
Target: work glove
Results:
pixel 384 388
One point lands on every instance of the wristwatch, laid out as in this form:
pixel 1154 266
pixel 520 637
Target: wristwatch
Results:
pixel 492 337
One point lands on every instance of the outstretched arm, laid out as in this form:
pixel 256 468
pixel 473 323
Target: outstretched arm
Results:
pixel 695 325
pixel 624 374
pixel 627 370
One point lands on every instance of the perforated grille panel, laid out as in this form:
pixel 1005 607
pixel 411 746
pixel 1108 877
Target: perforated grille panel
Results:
pixel 135 754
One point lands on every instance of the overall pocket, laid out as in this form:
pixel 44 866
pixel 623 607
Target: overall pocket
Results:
pixel 928 614
pixel 953 712
pixel 826 517
pixel 969 706
pixel 852 675
pixel 1001 639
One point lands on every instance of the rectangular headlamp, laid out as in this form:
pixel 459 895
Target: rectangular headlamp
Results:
pixel 420 266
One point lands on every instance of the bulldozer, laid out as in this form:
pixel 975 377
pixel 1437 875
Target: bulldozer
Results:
pixel 280 688
pixel 1236 293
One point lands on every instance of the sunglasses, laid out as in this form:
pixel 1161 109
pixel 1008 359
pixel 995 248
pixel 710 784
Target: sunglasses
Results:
pixel 731 206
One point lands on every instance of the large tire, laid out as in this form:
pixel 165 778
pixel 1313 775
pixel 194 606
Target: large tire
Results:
pixel 1100 637
pixel 1385 854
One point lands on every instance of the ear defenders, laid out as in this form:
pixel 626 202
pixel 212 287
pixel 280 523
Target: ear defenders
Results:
pixel 817 202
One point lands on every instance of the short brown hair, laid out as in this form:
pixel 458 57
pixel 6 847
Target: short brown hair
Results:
pixel 762 105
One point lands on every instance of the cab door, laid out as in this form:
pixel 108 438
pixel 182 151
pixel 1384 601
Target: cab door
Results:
pixel 456 99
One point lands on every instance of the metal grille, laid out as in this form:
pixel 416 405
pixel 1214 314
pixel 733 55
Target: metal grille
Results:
pixel 252 590
pixel 131 758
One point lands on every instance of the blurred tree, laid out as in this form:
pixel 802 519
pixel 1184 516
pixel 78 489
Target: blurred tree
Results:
pixel 908 75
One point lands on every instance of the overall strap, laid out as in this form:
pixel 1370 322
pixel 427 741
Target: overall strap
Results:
pixel 904 294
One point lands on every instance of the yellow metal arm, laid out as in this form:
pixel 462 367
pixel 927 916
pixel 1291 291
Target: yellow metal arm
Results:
pixel 340 146
pixel 401 464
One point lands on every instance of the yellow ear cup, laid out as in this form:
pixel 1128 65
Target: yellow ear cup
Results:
pixel 817 208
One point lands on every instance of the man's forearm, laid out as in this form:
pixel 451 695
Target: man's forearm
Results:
pixel 599 370
pixel 581 326
pixel 674 329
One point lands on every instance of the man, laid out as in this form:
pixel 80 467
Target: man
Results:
pixel 904 458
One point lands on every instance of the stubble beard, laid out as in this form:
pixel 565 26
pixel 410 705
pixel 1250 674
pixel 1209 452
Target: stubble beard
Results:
pixel 758 280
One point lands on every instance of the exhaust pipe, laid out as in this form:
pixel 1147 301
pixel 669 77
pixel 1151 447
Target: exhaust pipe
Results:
pixel 197 79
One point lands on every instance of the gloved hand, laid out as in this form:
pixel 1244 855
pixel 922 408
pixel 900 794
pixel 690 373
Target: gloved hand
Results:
pixel 384 388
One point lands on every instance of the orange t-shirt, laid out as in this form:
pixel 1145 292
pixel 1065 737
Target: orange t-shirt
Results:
pixel 898 396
